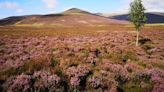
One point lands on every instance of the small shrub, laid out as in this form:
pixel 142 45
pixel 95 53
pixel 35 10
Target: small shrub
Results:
pixel 77 76
pixel 21 83
pixel 84 53
pixel 79 71
pixel 129 56
pixel 125 58
pixel 32 66
pixel 94 82
pixel 54 62
pixel 54 49
pixel 44 81
pixel 102 80
pixel 59 72
pixel 75 82
pixel 121 73
pixel 147 46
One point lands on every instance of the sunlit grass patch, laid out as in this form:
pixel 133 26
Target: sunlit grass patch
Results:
pixel 132 86
pixel 121 58
pixel 159 64
pixel 147 47
pixel 76 14
pixel 156 24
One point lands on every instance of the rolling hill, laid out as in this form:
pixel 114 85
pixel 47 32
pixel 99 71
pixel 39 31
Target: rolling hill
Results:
pixel 71 17
pixel 153 17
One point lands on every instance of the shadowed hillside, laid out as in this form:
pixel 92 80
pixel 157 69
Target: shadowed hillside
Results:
pixel 152 17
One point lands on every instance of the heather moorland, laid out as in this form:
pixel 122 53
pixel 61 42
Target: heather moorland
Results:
pixel 79 51
pixel 92 59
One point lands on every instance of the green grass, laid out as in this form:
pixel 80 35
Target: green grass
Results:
pixel 119 58
pixel 158 24
pixel 147 25
pixel 54 62
pixel 136 87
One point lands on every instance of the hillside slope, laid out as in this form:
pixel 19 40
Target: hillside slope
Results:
pixel 153 17
pixel 71 17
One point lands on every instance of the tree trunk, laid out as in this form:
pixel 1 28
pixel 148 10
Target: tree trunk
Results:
pixel 137 38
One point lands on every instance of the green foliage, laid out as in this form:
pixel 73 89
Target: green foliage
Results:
pixel 84 53
pixel 129 56
pixel 120 58
pixel 8 73
pixel 147 47
pixel 54 49
pixel 138 83
pixel 136 87
pixel 136 14
pixel 30 67
pixel 54 62
pixel 59 72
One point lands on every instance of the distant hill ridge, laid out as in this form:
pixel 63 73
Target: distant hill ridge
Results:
pixel 152 17
pixel 71 17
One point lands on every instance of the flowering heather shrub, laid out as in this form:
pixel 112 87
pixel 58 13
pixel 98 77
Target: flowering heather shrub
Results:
pixel 94 82
pixel 75 82
pixel 156 72
pixel 79 71
pixel 157 77
pixel 83 70
pixel 21 83
pixel 40 80
pixel 43 81
pixel 77 74
pixel 120 72
pixel 103 80
pixel 72 71
pixel 108 81
pixel 93 62
pixel 139 75
pixel 53 83
pixel 158 87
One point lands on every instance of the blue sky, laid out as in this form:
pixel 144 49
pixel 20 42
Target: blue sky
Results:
pixel 27 7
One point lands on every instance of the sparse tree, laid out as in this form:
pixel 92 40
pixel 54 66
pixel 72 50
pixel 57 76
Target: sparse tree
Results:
pixel 137 16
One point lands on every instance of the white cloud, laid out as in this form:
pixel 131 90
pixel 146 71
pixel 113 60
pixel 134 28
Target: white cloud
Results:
pixel 10 5
pixel 150 5
pixel 154 5
pixel 19 10
pixel 50 4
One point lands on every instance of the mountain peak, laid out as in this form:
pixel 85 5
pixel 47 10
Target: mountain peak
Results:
pixel 75 10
